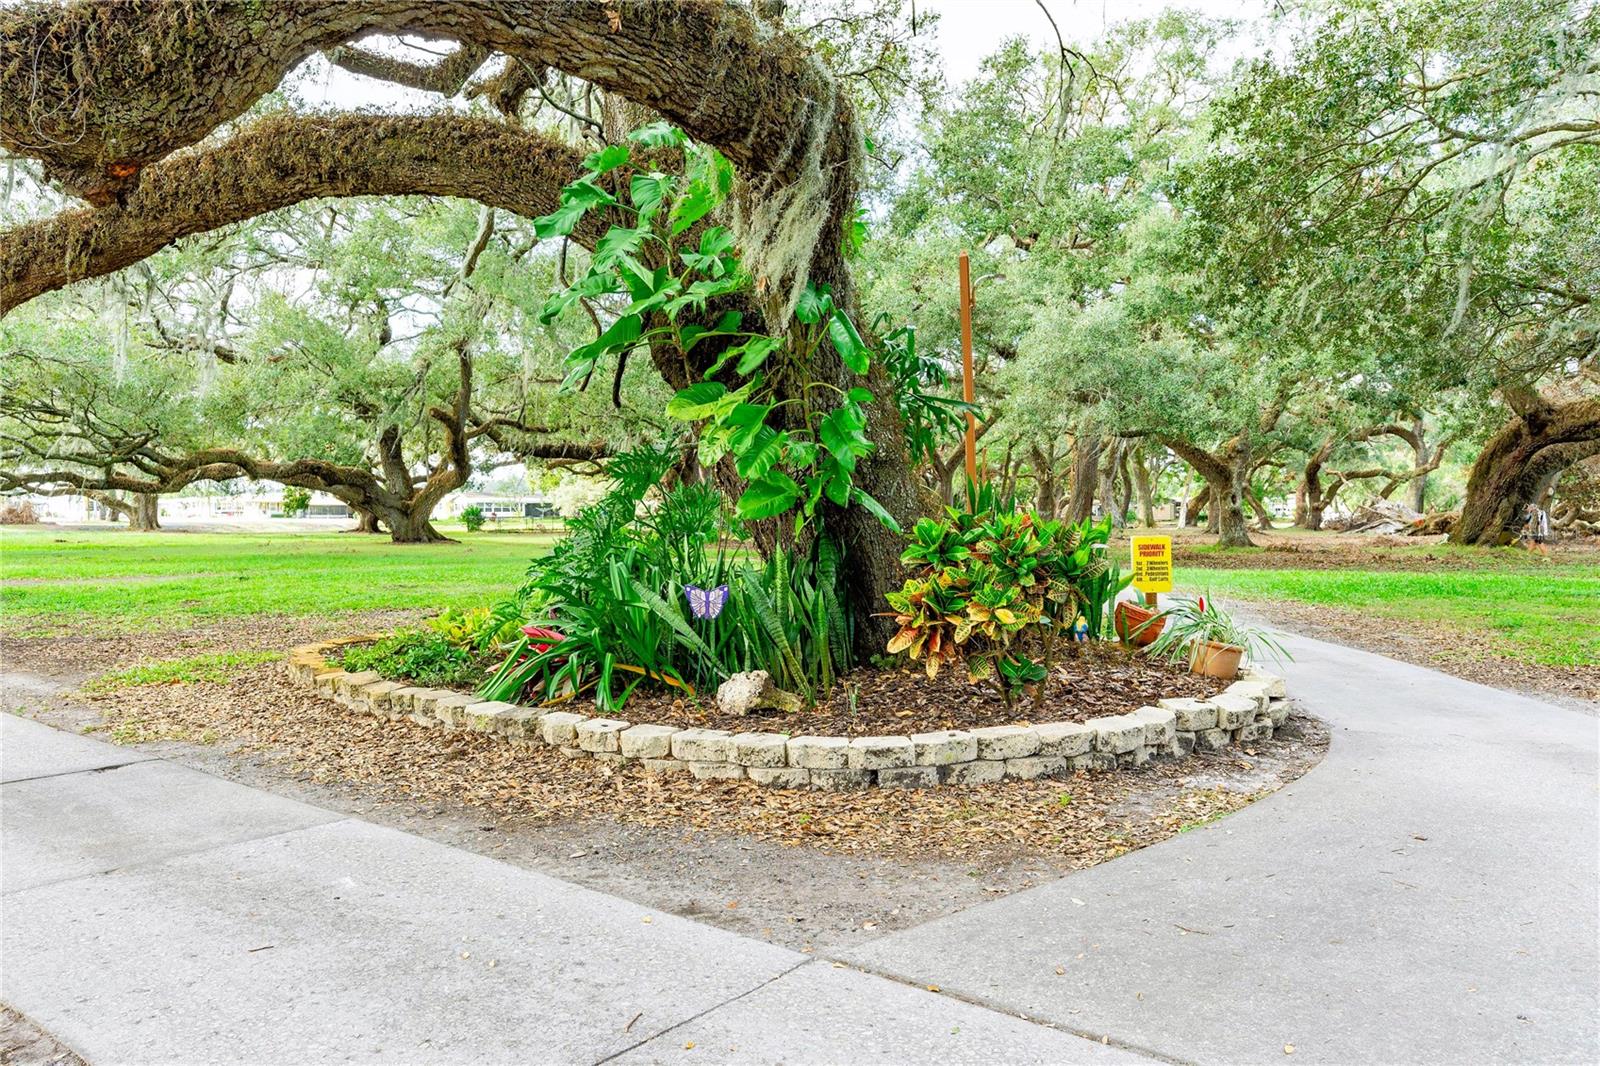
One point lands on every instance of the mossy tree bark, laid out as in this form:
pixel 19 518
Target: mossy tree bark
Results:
pixel 145 81
pixel 1542 439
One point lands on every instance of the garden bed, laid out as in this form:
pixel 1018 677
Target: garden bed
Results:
pixel 918 754
pixel 1090 681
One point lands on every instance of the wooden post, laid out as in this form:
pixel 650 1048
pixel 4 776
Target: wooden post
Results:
pixel 967 392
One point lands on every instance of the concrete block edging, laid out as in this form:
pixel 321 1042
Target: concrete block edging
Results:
pixel 1248 710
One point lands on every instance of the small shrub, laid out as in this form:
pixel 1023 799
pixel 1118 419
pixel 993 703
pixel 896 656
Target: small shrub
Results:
pixel 296 500
pixel 472 517
pixel 419 656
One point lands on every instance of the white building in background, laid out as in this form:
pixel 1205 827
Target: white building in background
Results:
pixel 265 502
pixel 497 507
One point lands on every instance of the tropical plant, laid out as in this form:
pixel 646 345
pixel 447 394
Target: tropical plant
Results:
pixel 472 518
pixel 793 452
pixel 608 604
pixel 1189 622
pixel 996 588
pixel 478 629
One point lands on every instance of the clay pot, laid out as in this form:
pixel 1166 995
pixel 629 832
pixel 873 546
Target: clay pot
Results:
pixel 1215 660
pixel 1130 616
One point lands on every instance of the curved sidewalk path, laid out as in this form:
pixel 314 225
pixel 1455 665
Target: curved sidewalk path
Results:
pixel 1427 894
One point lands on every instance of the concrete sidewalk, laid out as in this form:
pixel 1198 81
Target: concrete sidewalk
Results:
pixel 1427 895
pixel 155 914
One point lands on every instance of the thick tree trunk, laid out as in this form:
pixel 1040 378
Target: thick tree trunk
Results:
pixel 1197 505
pixel 141 509
pixel 1231 523
pixel 1515 464
pixel 145 517
pixel 366 521
pixel 411 527
pixel 1227 475
pixel 1085 477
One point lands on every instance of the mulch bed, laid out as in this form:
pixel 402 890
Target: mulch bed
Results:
pixel 1092 680
pixel 1084 820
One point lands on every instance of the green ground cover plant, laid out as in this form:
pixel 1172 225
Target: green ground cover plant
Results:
pixel 216 668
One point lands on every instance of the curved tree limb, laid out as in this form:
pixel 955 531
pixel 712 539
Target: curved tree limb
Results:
pixel 279 162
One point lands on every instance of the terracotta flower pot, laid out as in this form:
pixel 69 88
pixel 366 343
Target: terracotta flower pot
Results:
pixel 1215 660
pixel 1130 616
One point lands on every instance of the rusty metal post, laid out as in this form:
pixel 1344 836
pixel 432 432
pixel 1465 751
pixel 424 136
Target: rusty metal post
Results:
pixel 967 392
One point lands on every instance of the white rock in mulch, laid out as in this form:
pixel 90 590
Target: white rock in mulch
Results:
pixel 753 691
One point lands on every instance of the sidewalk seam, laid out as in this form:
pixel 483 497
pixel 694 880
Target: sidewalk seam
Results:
pixel 176 855
pixel 86 770
pixel 701 1014
pixel 1103 1039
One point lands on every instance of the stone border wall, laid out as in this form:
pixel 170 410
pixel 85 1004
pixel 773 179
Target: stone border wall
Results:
pixel 1247 710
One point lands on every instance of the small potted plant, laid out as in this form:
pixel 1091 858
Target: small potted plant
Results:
pixel 1210 639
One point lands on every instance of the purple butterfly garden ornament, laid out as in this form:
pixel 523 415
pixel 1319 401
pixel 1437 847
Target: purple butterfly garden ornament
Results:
pixel 706 603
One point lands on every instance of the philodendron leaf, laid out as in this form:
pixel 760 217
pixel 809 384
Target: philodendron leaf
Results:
pixel 659 135
pixel 769 495
pixel 607 159
pixel 621 333
pixel 876 509
pixel 699 400
pixel 647 191
pixel 848 343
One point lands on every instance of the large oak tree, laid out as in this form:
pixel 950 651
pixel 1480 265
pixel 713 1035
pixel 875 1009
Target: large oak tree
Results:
pixel 140 110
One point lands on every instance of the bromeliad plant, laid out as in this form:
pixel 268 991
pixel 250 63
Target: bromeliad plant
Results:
pixel 660 269
pixel 997 589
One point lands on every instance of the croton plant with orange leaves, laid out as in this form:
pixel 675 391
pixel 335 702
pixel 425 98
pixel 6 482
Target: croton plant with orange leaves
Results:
pixel 995 590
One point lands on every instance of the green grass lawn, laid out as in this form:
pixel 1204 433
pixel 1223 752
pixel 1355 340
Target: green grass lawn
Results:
pixel 119 580
pixel 1529 609
pixel 1543 614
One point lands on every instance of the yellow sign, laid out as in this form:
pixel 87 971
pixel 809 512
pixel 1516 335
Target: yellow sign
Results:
pixel 1152 564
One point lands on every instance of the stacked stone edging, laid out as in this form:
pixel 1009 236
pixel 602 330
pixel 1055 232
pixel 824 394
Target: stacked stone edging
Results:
pixel 1247 710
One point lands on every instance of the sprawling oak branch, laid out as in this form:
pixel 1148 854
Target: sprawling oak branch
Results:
pixel 99 90
pixel 279 162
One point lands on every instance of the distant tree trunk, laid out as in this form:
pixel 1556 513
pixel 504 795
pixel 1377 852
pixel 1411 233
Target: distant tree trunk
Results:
pixel 1227 474
pixel 1263 513
pixel 366 521
pixel 1085 477
pixel 1124 486
pixel 1308 500
pixel 1110 465
pixel 1147 503
pixel 1543 439
pixel 146 514
pixel 141 509
pixel 1044 476
pixel 1198 505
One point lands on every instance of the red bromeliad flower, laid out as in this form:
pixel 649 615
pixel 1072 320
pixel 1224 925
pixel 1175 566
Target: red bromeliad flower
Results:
pixel 550 637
